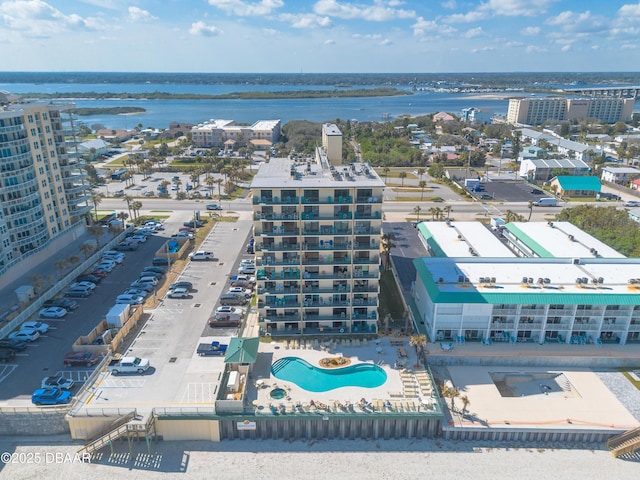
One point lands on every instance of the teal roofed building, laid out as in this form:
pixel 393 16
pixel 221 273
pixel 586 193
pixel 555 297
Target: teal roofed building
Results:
pixel 583 186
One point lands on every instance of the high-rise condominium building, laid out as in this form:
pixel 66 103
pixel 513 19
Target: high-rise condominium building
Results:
pixel 42 186
pixel 317 244
pixel 535 111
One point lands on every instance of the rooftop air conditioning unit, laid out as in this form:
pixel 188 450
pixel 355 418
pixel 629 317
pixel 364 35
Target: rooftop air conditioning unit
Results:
pixel 571 238
pixel 493 280
pixel 525 280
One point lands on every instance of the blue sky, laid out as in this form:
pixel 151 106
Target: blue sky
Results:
pixel 319 35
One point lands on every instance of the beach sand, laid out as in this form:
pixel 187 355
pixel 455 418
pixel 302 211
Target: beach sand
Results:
pixel 325 459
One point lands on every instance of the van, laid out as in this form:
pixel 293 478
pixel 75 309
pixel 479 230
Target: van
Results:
pixel 232 299
pixel 546 202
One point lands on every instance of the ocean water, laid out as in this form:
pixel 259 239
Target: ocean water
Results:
pixel 160 113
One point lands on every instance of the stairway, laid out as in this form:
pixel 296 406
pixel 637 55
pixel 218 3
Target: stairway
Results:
pixel 626 442
pixel 128 423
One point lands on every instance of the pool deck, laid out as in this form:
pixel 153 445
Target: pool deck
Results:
pixel 402 392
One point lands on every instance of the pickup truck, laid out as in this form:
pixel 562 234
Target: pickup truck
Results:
pixel 128 365
pixel 212 349
pixel 201 255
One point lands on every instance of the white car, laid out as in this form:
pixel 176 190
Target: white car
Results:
pixel 114 256
pixel 178 292
pixel 82 285
pixel 183 235
pixel 241 291
pixel 632 204
pixel 129 299
pixel 201 255
pixel 52 312
pixel 106 265
pixel 138 292
pixel 57 382
pixel 150 280
pixel 25 335
pixel 141 286
pixel 140 238
pixel 37 326
pixel 247 269
pixel 247 261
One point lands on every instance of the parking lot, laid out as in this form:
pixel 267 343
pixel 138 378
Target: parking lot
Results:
pixel 176 324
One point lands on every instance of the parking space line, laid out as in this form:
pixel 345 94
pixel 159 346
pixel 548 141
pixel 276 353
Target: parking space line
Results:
pixel 122 383
pixel 199 393
pixel 6 370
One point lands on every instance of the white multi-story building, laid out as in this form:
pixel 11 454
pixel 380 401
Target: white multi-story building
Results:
pixel 537 110
pixel 332 143
pixel 42 186
pixel 215 133
pixel 562 286
pixel 317 244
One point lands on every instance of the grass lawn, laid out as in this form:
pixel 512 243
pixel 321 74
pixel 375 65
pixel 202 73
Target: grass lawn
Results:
pixel 390 299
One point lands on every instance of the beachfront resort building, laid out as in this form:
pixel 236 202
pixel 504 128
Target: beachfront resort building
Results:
pixel 228 134
pixel 525 282
pixel 42 187
pixel 317 244
pixel 537 110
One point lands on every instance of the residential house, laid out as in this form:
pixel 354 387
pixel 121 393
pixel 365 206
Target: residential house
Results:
pixel 619 175
pixel 577 186
pixel 543 169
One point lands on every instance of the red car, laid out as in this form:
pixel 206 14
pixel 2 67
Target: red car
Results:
pixel 73 359
pixel 99 272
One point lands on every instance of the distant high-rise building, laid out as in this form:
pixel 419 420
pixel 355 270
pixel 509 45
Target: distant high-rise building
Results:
pixel 42 186
pixel 332 143
pixel 535 111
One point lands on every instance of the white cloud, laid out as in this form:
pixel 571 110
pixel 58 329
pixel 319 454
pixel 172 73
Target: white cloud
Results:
pixel 247 9
pixel 482 49
pixel 630 11
pixel 138 15
pixel 469 17
pixel 535 49
pixel 474 32
pixel 530 31
pixel 429 28
pixel 39 19
pixel 508 8
pixel 367 36
pixel 380 11
pixel 202 29
pixel 450 4
pixel 306 20
pixel 386 42
pixel 329 42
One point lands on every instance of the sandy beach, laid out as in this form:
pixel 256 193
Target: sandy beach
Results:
pixel 47 457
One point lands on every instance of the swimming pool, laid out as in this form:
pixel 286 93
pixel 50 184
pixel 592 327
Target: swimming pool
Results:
pixel 314 379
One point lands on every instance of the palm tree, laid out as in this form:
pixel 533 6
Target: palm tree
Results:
pixel 219 182
pixel 386 171
pixel 511 216
pixel 449 391
pixel 387 244
pixel 530 205
pixel 421 172
pixel 136 206
pixel 128 199
pixel 422 184
pixel 433 211
pixel 402 176
pixel 448 209
pixel 419 341
pixel 96 199
pixel 417 209
pixel 465 403
pixel 210 181
pixel 97 231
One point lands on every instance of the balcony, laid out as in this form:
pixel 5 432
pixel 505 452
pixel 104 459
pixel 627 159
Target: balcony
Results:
pixel 276 200
pixel 362 199
pixel 279 303
pixel 80 210
pixel 317 200
pixel 371 302
pixel 329 260
pixel 13 128
pixel 280 317
pixel 326 231
pixel 281 232
pixel 279 289
pixel 268 261
pixel 277 247
pixel 275 216
pixel 365 274
pixel 367 231
pixel 371 261
pixel 285 274
pixel 18 157
pixel 337 289
pixel 326 245
pixel 326 275
pixel 373 245
pixel 366 289
pixel 364 216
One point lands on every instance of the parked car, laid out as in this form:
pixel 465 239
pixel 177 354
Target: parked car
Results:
pixel 129 299
pixel 632 204
pixel 143 286
pixel 138 292
pixel 233 299
pixel 100 272
pixel 610 196
pixel 77 293
pixel 156 275
pixel 73 359
pixel 187 285
pixel 57 382
pixel 179 292
pixel 194 224
pixel 86 277
pixel 79 285
pixel 247 269
pixel 160 261
pixel 25 335
pixel 228 313
pixel 201 255
pixel 247 261
pixel 140 238
pixel 155 269
pixel 13 344
pixel 183 235
pixel 126 246
pixel 148 279
pixel 50 396
pixel 40 327
pixel 62 303
pixel 106 265
pixel 213 206
pixel 81 288
pixel 241 291
pixel 7 354
pixel 537 191
pixel 52 312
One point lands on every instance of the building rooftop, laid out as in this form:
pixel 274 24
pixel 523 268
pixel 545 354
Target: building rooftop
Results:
pixel 580 183
pixel 462 239
pixel 558 163
pixel 549 281
pixel 331 129
pixel 621 170
pixel 560 240
pixel 282 172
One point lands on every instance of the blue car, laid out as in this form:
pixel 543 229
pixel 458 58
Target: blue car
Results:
pixel 50 396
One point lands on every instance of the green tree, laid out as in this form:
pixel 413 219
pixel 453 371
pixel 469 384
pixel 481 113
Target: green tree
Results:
pixel 422 184
pixel 402 176
pixel 96 199
pixel 387 244
pixel 417 209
